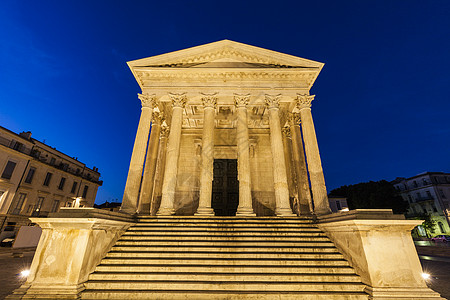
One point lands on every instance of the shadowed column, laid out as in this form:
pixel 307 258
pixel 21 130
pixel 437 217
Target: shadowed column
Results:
pixel 159 174
pixel 279 167
pixel 304 194
pixel 207 160
pixel 173 151
pixel 245 193
pixel 131 193
pixel 319 190
pixel 290 169
pixel 145 197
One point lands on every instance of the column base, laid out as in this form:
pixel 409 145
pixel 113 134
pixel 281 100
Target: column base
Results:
pixel 245 212
pixel 165 212
pixel 284 212
pixel 41 291
pixel 204 211
pixel 130 211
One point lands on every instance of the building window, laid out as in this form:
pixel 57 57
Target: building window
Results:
pixel 429 195
pixel 9 169
pixel 30 175
pixel 85 191
pixel 415 183
pixel 74 187
pixel 55 206
pixel 30 209
pixel 61 183
pixel 338 204
pixel 442 194
pixel 52 161
pixel 48 177
pixel 424 181
pixel 418 196
pixel 19 204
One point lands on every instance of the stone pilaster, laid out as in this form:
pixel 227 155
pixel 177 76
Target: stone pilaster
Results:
pixel 242 140
pixel 173 152
pixel 131 193
pixel 160 168
pixel 319 190
pixel 279 166
pixel 304 194
pixel 207 158
pixel 145 197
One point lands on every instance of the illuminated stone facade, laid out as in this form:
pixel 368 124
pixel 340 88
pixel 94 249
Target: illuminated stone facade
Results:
pixel 226 101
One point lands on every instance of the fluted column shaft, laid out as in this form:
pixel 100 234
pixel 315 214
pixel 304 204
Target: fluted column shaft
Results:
pixel 173 152
pixel 145 197
pixel 304 194
pixel 159 174
pixel 318 188
pixel 131 193
pixel 207 158
pixel 279 166
pixel 243 145
pixel 290 169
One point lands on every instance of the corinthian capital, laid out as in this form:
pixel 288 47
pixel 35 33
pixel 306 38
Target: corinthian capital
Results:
pixel 286 131
pixel 294 119
pixel 241 100
pixel 209 100
pixel 304 101
pixel 157 117
pixel 164 131
pixel 178 100
pixel 273 101
pixel 147 100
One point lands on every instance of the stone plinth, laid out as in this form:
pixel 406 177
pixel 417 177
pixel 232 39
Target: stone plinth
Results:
pixel 68 251
pixel 379 246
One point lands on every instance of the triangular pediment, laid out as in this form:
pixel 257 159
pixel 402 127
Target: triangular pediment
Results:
pixel 225 54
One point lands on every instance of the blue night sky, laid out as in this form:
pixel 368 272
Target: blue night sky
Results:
pixel 382 100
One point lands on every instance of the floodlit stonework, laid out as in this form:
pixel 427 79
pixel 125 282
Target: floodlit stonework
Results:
pixel 227 200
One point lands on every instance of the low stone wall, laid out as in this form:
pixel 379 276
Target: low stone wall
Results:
pixel 379 246
pixel 72 244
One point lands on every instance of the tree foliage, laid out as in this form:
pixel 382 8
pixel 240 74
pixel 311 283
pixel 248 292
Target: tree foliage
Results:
pixel 373 194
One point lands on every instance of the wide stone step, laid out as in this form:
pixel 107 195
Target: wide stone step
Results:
pixel 251 243
pixel 223 230
pixel 308 256
pixel 292 225
pixel 221 295
pixel 256 286
pixel 289 268
pixel 225 248
pixel 199 219
pixel 221 261
pixel 226 237
pixel 225 277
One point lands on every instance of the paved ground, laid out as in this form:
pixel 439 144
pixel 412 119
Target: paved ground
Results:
pixel 437 267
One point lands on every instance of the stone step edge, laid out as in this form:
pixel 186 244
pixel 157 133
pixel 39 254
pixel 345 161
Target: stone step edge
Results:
pixel 223 266
pixel 221 258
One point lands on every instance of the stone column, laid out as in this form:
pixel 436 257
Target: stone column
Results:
pixel 159 174
pixel 279 166
pixel 131 193
pixel 242 140
pixel 319 191
pixel 304 194
pixel 145 197
pixel 207 159
pixel 173 151
pixel 290 169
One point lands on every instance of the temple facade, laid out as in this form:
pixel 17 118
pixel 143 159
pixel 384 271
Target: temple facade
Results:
pixel 226 129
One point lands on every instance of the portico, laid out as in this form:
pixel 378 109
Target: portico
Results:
pixel 226 100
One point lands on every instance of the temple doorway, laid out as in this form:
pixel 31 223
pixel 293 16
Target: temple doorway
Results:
pixel 225 193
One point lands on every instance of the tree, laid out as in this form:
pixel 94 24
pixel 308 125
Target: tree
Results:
pixel 373 194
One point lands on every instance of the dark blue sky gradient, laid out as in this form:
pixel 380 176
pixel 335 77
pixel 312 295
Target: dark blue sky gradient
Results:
pixel 382 108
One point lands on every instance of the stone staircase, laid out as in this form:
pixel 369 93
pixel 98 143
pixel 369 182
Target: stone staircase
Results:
pixel 224 258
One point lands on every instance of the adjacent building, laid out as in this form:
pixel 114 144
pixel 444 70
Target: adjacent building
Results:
pixel 427 193
pixel 36 179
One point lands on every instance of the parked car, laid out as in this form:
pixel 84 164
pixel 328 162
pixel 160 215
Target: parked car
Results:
pixel 441 238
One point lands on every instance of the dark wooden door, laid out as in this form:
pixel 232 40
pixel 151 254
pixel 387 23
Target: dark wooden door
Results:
pixel 225 194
